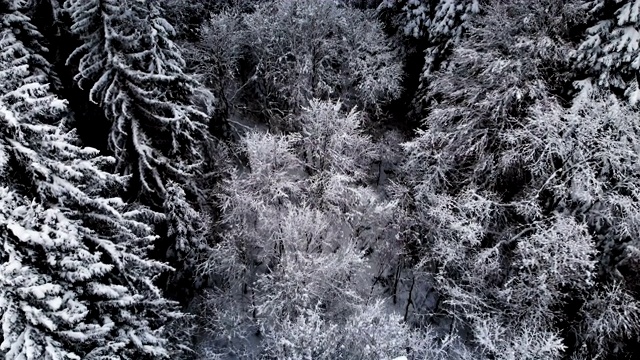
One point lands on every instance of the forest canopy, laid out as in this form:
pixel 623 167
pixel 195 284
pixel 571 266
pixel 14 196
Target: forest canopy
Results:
pixel 306 179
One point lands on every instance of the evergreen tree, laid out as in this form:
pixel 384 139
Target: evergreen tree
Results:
pixel 439 23
pixel 75 281
pixel 28 34
pixel 135 72
pixel 158 135
pixel 428 31
pixel 610 50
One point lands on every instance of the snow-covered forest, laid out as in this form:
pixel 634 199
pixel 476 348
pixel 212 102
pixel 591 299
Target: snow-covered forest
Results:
pixel 319 179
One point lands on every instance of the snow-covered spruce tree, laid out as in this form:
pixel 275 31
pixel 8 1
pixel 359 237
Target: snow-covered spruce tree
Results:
pixel 304 49
pixel 439 23
pixel 75 280
pixel 609 52
pixel 524 209
pixel 135 73
pixel 303 241
pixel 28 34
